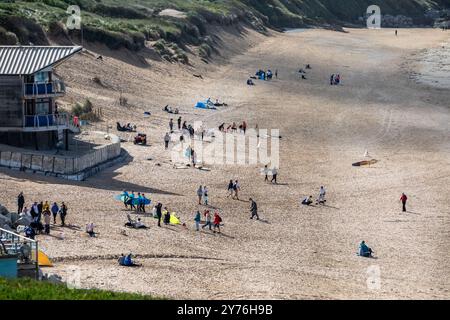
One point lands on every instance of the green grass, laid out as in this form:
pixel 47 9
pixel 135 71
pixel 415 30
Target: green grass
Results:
pixel 128 24
pixel 28 289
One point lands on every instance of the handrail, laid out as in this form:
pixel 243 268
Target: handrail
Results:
pixel 14 240
pixel 44 88
pixel 18 235
pixel 45 120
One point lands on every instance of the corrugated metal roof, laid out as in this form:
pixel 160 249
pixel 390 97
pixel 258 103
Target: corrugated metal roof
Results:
pixel 23 60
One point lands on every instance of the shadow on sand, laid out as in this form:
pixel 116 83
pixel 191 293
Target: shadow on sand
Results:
pixel 104 180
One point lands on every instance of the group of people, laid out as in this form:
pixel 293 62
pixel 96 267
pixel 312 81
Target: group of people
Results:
pixel 273 171
pixel 40 214
pixel 263 75
pixel 169 109
pixel 126 128
pixel 307 201
pixel 212 223
pixel 202 194
pixel 158 214
pixel 233 189
pixel 335 79
pixel 134 202
pixel 233 127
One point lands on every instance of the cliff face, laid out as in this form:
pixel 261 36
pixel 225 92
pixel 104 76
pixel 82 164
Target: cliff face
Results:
pixel 170 25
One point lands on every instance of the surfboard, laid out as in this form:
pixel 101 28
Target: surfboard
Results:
pixel 364 163
pixel 135 200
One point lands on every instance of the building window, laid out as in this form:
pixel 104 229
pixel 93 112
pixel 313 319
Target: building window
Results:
pixel 42 106
pixel 41 77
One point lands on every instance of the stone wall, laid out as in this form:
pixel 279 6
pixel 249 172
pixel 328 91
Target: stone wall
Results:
pixel 73 168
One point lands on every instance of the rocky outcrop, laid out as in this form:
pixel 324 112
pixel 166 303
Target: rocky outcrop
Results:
pixel 8 219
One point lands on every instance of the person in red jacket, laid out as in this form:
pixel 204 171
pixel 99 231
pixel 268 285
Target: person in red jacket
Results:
pixel 404 199
pixel 217 221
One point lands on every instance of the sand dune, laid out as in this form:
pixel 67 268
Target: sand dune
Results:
pixel 301 252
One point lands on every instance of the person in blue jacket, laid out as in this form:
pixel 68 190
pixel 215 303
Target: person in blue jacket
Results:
pixel 126 261
pixel 197 220
pixel 364 250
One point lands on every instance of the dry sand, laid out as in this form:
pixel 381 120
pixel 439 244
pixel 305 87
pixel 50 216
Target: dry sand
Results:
pixel 302 252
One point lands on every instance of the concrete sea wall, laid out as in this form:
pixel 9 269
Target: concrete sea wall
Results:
pixel 71 168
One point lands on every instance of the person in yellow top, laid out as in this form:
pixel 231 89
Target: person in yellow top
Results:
pixel 46 206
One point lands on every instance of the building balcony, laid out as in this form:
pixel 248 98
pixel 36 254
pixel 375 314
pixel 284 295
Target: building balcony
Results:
pixel 44 89
pixel 49 122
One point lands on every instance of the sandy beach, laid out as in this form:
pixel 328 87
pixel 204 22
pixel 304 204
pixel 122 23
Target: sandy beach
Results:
pixel 388 104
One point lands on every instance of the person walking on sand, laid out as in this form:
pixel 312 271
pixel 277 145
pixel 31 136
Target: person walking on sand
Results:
pixel 332 79
pixel 166 140
pixel 266 173
pixel 171 125
pixel 47 219
pixel 404 199
pixel 274 175
pixel 179 123
pixel 236 189
pixel 193 157
pixel 159 213
pixel 20 202
pixel 396 32
pixel 217 221
pixel 197 220
pixel 208 220
pixel 200 194
pixel 63 214
pixel 253 209
pixel 55 210
pixel 205 195
pixel 322 193
pixel 276 74
pixel 230 189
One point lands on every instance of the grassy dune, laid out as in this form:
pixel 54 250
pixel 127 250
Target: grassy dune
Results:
pixel 27 289
pixel 130 24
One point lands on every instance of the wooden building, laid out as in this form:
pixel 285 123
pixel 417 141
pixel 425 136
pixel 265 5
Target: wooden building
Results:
pixel 28 91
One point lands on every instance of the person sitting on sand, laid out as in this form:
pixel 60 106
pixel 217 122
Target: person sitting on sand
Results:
pixel 222 127
pixel 250 82
pixel 126 261
pixel 139 224
pixel 307 201
pixel 166 216
pixel 364 250
pixel 90 229
pixel 337 79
